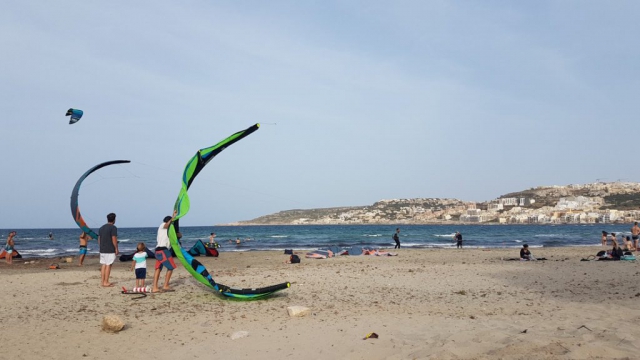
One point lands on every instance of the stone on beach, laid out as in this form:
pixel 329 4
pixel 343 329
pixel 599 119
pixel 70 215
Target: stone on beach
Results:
pixel 112 323
pixel 239 335
pixel 298 311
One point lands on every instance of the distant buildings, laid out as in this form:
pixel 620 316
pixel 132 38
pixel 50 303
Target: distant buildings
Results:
pixel 572 204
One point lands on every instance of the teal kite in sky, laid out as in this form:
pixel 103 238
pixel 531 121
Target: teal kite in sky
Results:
pixel 75 115
pixel 193 266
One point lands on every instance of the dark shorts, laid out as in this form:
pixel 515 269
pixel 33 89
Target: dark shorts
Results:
pixel 163 258
pixel 634 237
pixel 141 273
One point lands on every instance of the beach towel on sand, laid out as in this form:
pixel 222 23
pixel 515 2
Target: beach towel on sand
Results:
pixel 319 254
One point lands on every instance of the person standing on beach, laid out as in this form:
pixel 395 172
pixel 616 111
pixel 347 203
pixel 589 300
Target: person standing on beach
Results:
pixel 9 248
pixel 108 243
pixel 163 255
pixel 613 238
pixel 458 239
pixel 84 238
pixel 396 238
pixel 604 238
pixel 635 235
pixel 139 264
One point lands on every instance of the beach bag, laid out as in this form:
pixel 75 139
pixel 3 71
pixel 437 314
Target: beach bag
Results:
pixel 295 259
pixel 601 253
pixel 288 251
pixel 628 257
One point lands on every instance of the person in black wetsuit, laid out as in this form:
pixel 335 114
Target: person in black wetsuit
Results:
pixel 458 238
pixel 396 238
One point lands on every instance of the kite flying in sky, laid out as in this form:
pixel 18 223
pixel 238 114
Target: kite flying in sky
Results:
pixel 75 115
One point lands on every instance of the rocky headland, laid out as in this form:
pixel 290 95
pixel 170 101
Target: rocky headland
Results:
pixel 587 203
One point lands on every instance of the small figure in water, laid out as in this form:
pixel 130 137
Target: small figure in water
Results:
pixel 458 239
pixel 212 242
pixel 50 236
pixel 84 238
pixel 9 248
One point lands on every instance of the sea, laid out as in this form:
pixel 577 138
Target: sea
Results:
pixel 36 242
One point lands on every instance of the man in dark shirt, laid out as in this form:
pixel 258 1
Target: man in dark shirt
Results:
pixel 396 238
pixel 108 242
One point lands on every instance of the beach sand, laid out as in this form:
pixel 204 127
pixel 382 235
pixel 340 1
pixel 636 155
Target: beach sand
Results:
pixel 423 304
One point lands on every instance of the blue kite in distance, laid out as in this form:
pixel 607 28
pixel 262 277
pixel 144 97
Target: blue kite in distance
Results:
pixel 75 115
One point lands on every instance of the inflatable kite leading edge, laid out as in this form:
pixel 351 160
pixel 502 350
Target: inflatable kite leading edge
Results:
pixel 193 266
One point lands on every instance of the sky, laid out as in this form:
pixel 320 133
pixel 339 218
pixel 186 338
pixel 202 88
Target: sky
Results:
pixel 359 101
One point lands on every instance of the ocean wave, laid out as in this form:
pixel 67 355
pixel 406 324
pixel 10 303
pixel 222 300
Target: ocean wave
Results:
pixel 562 236
pixel 279 236
pixel 444 235
pixel 39 251
pixel 372 235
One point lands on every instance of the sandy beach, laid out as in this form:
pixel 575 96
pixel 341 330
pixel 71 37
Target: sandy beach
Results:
pixel 423 304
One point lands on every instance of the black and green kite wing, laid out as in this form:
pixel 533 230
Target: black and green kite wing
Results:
pixel 193 266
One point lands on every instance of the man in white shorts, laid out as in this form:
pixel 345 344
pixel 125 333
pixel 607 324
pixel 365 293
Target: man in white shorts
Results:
pixel 108 242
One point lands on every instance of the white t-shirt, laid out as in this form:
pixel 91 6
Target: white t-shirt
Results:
pixel 141 259
pixel 163 237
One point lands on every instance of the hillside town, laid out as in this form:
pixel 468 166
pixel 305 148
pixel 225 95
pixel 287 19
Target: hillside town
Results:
pixel 597 202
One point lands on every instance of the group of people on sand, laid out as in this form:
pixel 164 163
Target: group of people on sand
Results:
pixel 108 245
pixel 630 242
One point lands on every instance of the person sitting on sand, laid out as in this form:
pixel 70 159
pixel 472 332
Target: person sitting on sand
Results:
pixel 525 254
pixel 616 251
pixel 9 247
pixel 293 259
pixel 628 245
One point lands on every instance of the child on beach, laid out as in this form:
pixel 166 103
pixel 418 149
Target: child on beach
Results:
pixel 604 238
pixel 140 264
pixel 9 248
